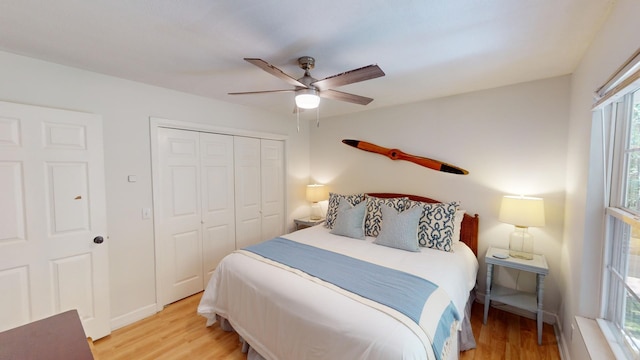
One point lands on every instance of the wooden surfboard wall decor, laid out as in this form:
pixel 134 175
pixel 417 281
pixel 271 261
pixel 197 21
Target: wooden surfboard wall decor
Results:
pixel 395 154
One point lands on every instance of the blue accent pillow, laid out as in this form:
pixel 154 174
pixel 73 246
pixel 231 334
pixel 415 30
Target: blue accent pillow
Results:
pixel 373 222
pixel 334 201
pixel 349 220
pixel 436 226
pixel 399 230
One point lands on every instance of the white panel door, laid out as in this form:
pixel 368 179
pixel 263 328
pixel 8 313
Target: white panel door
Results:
pixel 218 214
pixel 272 183
pixel 179 219
pixel 53 219
pixel 247 191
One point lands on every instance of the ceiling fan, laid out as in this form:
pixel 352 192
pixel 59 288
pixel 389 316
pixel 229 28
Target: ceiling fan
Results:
pixel 309 90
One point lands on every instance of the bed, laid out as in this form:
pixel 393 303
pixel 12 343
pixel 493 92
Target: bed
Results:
pixel 289 307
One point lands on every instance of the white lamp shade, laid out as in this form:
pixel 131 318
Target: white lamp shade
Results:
pixel 307 99
pixel 317 192
pixel 522 211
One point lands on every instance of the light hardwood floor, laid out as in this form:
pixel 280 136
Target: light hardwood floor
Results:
pixel 510 337
pixel 178 332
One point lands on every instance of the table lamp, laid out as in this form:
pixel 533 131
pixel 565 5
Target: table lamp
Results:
pixel 316 193
pixel 522 212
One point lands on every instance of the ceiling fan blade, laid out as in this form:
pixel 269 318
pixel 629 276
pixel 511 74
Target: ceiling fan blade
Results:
pixel 260 92
pixel 349 77
pixel 343 96
pixel 275 71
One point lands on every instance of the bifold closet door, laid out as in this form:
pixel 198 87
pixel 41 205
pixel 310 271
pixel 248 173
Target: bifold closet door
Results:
pixel 218 193
pixel 272 188
pixel 218 208
pixel 179 259
pixel 197 219
pixel 247 191
pixel 259 169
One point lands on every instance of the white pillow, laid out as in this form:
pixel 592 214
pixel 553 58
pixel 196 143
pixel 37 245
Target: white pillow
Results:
pixel 399 230
pixel 457 225
pixel 349 220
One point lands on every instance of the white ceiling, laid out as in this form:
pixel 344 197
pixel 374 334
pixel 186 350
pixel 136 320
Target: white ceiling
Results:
pixel 427 48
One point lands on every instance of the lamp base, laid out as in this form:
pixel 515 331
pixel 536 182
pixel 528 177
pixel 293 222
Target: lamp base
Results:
pixel 316 212
pixel 521 244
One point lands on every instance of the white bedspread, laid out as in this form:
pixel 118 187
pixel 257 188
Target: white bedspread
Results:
pixel 284 316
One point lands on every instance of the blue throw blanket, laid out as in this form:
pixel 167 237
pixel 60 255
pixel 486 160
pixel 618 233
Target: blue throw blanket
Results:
pixel 406 293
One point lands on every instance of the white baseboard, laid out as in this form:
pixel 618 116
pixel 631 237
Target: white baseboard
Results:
pixel 563 346
pixel 133 316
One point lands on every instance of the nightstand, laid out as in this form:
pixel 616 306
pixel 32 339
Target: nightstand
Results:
pixel 306 222
pixel 519 299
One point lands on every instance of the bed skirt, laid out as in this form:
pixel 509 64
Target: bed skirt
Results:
pixel 466 341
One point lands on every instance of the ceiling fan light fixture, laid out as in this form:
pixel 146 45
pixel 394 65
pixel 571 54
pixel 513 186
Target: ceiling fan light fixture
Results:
pixel 307 98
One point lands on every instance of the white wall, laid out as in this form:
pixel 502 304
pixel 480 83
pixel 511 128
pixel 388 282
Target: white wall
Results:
pixel 512 140
pixel 521 139
pixel 582 248
pixel 125 107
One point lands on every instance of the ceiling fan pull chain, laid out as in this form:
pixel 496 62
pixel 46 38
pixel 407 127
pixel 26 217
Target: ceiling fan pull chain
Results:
pixel 298 118
pixel 318 117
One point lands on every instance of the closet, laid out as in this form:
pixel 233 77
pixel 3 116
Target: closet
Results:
pixel 259 190
pixel 217 193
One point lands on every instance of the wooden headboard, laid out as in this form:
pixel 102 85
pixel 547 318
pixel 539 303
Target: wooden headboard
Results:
pixel 469 230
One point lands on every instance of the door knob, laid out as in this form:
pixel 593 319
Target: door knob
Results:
pixel 98 239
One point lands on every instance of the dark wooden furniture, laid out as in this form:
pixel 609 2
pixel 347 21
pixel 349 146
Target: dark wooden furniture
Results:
pixel 57 337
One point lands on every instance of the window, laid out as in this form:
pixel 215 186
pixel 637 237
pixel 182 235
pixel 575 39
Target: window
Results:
pixel 632 156
pixel 621 289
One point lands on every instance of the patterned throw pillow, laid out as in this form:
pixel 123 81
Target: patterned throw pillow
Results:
pixel 373 221
pixel 399 230
pixel 350 220
pixel 436 226
pixel 334 201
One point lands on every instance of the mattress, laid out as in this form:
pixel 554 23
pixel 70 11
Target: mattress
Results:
pixel 283 315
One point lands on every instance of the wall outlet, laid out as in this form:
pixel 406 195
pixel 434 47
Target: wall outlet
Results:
pixel 146 213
